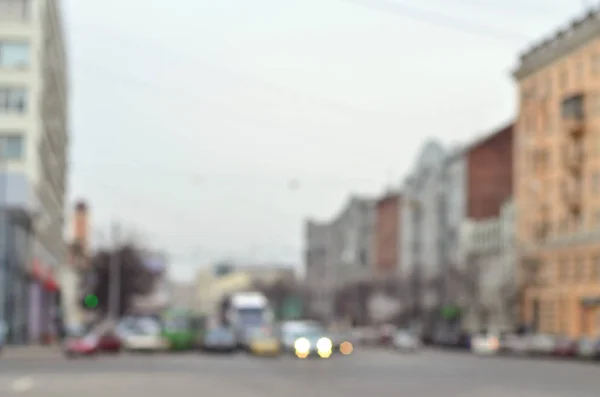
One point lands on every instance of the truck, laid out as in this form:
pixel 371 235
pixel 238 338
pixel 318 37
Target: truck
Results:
pixel 244 311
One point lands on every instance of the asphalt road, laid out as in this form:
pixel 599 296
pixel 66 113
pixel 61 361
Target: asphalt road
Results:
pixel 366 373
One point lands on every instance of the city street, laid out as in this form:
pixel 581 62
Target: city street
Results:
pixel 373 373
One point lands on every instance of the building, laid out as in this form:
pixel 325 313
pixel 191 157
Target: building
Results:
pixel 422 217
pixel 70 273
pixel 387 237
pixel 34 141
pixel 487 246
pixel 476 179
pixel 557 186
pixel 339 254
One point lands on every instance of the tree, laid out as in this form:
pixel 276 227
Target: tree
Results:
pixel 135 278
pixel 469 279
pixel 515 286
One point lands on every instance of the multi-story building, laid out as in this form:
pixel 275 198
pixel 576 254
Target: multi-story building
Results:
pixel 33 159
pixel 339 254
pixel 387 237
pixel 423 217
pixel 487 247
pixel 557 186
pixel 477 180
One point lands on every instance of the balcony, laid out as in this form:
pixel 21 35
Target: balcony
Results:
pixel 573 158
pixel 573 115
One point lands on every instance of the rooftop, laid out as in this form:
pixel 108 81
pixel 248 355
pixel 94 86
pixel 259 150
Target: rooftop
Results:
pixel 579 32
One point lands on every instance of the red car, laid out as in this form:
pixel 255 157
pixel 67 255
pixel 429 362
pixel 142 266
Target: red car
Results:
pixel 565 347
pixel 92 344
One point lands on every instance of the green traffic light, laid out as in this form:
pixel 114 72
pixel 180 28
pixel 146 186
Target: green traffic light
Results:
pixel 91 301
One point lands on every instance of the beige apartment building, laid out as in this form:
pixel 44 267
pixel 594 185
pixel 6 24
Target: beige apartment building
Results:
pixel 557 180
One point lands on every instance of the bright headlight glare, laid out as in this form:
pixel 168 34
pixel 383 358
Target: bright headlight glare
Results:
pixel 324 344
pixel 302 345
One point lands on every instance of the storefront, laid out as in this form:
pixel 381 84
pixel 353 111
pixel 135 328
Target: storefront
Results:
pixel 15 238
pixel 43 303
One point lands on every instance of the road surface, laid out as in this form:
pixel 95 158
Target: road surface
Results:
pixel 366 373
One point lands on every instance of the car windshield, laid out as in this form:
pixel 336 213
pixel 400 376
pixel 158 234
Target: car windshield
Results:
pixel 177 324
pixel 252 317
pixel 146 326
pixel 220 333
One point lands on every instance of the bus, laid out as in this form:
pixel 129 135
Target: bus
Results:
pixel 182 329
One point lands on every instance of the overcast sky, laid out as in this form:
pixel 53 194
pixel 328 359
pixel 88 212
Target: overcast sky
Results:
pixel 213 128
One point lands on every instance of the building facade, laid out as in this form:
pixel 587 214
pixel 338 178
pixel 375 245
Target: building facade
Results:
pixel 387 247
pixel 423 215
pixel 557 186
pixel 339 254
pixel 487 249
pixel 33 141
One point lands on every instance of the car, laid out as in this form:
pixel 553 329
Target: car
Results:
pixel 220 339
pixel 263 342
pixel 565 347
pixel 588 348
pixel 143 335
pixel 542 345
pixel 485 344
pixel 312 341
pixel 92 344
pixel 404 340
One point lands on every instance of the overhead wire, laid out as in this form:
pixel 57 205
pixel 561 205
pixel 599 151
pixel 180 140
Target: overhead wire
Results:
pixel 439 19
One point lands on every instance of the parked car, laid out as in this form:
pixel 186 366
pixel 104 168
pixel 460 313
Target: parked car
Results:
pixel 515 344
pixel 588 348
pixel 263 342
pixel 565 347
pixel 485 344
pixel 92 344
pixel 220 339
pixel 143 335
pixel 407 341
pixel 386 334
pixel 542 344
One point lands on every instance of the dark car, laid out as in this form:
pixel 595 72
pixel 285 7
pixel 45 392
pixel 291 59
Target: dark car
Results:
pixel 220 339
pixel 565 347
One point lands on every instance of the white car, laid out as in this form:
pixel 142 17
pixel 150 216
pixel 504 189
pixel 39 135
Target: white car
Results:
pixel 485 344
pixel 143 335
pixel 406 341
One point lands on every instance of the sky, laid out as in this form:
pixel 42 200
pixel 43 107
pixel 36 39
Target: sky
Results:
pixel 213 129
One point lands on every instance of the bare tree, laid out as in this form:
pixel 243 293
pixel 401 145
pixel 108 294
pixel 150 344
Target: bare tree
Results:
pixel 469 278
pixel 514 286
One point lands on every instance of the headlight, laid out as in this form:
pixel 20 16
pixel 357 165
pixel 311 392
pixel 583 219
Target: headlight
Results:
pixel 302 345
pixel 324 344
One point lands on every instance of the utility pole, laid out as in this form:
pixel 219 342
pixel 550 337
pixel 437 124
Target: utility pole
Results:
pixel 114 273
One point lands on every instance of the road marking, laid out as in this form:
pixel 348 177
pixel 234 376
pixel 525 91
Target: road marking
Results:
pixel 22 385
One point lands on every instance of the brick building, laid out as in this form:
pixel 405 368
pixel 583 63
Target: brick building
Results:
pixel 489 174
pixel 387 235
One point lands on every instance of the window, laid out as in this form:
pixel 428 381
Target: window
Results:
pixel 564 79
pixel 13 100
pixel 596 268
pixel 595 63
pixel 596 182
pixel 11 147
pixel 579 270
pixel 580 71
pixel 15 10
pixel 563 270
pixel 14 54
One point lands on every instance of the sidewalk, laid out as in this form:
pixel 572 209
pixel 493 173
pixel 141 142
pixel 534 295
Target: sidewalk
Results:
pixel 33 352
